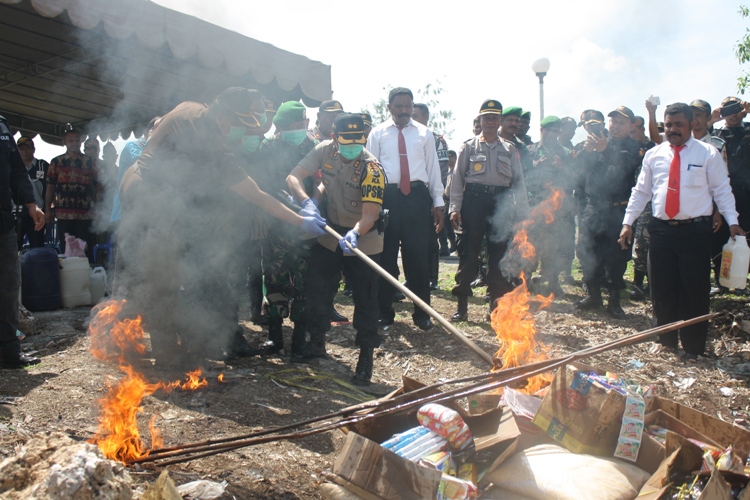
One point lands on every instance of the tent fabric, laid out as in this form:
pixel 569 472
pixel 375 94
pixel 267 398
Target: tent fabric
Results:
pixel 114 64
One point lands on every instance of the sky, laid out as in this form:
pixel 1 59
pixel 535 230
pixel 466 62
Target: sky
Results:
pixel 603 54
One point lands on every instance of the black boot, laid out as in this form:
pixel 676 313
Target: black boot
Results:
pixel 462 313
pixel 363 373
pixel 313 349
pixel 613 306
pixel 298 338
pixel 275 342
pixel 592 299
pixel 239 348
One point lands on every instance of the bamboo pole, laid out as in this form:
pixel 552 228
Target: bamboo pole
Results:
pixel 495 380
pixel 421 303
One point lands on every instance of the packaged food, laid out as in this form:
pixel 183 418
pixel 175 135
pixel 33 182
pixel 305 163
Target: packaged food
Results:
pixel 446 423
pixel 453 488
pixel 406 437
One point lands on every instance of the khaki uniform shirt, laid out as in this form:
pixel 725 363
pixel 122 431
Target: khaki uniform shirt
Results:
pixel 497 164
pixel 348 186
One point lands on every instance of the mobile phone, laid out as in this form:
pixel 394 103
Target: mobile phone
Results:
pixel 596 128
pixel 731 109
pixel 654 100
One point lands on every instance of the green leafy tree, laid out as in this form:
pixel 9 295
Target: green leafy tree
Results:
pixel 441 120
pixel 742 50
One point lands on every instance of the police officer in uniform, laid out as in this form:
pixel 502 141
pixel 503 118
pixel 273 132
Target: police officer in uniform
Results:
pixel 611 166
pixel 353 183
pixel 285 256
pixel 14 183
pixel 488 194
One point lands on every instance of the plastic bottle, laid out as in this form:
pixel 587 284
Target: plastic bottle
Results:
pixel 735 259
pixel 97 284
pixel 75 281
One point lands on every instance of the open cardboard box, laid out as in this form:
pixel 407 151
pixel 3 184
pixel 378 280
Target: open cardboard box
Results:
pixel 363 463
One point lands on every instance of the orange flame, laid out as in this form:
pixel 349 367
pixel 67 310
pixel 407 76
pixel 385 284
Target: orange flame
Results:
pixel 515 331
pixel 511 319
pixel 118 435
pixel 221 377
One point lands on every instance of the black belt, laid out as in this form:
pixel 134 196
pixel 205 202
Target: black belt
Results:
pixel 680 222
pixel 412 184
pixel 484 189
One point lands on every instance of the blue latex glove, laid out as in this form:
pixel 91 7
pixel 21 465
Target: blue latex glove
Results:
pixel 309 209
pixel 351 238
pixel 313 225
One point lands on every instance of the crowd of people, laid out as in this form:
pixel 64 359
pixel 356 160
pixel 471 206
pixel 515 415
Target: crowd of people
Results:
pixel 195 204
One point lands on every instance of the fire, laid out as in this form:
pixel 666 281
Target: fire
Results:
pixel 118 435
pixel 221 377
pixel 511 319
pixel 515 330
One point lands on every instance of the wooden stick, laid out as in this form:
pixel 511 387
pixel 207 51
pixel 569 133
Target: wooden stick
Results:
pixel 503 377
pixel 421 303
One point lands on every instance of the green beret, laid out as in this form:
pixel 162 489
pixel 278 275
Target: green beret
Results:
pixel 288 113
pixel 526 115
pixel 549 121
pixel 513 110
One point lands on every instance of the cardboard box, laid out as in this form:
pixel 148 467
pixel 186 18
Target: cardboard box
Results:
pixel 581 414
pixel 367 465
pixel 723 433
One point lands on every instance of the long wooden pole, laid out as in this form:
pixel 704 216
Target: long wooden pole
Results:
pixel 494 381
pixel 421 303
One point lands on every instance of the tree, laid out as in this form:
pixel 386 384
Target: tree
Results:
pixel 441 120
pixel 742 51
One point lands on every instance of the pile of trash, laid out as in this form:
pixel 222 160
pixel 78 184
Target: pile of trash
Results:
pixel 590 434
pixel 53 466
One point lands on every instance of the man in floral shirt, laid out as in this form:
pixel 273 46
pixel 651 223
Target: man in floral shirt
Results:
pixel 72 182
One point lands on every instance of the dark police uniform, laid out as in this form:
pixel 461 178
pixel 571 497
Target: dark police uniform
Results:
pixel 14 181
pixel 488 190
pixel 347 186
pixel 609 178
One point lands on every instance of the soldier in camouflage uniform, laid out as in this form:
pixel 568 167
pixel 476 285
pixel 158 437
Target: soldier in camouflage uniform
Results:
pixel 285 256
pixel 553 170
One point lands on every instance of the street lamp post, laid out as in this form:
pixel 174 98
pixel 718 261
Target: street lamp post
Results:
pixel 540 67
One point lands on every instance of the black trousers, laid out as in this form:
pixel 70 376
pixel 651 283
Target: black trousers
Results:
pixel 680 280
pixel 323 275
pixel 603 261
pixel 36 238
pixel 479 218
pixel 10 282
pixel 409 228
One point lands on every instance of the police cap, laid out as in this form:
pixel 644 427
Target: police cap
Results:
pixel 591 115
pixel 349 128
pixel 331 106
pixel 25 141
pixel 491 107
pixel 701 105
pixel 623 111
pixel 366 118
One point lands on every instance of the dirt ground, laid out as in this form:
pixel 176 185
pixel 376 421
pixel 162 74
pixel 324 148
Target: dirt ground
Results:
pixel 61 393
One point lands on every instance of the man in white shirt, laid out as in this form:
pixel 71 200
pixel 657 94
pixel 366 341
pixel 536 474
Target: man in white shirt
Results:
pixel 414 197
pixel 683 178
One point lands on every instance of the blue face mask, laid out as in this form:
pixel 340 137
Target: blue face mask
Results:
pixel 262 118
pixel 350 151
pixel 294 137
pixel 250 143
pixel 236 133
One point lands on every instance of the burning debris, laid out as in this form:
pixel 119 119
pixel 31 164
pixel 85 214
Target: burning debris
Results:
pixel 54 466
pixel 117 340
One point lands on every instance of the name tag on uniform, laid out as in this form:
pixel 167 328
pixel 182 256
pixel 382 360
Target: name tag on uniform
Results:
pixel 442 155
pixel 693 165
pixel 40 174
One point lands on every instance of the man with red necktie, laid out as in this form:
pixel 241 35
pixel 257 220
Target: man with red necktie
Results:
pixel 414 198
pixel 682 178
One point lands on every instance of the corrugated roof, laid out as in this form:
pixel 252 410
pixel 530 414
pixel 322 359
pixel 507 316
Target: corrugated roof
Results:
pixel 111 65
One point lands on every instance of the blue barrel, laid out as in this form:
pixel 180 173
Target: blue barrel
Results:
pixel 40 278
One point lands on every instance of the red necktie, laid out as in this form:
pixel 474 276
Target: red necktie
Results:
pixel 405 184
pixel 672 207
